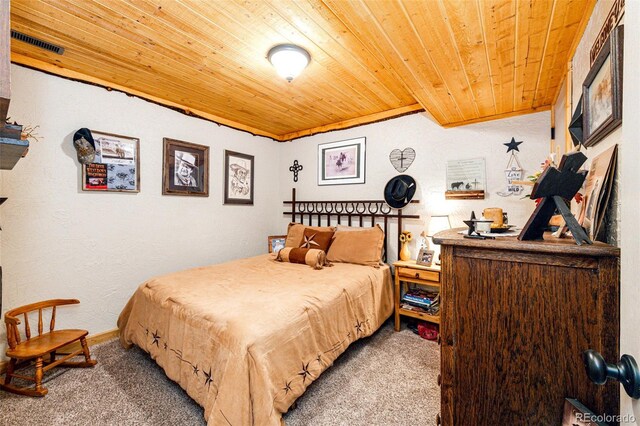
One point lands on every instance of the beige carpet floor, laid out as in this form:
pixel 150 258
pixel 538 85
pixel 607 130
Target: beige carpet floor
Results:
pixel 386 379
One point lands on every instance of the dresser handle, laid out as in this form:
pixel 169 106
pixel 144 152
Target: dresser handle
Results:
pixel 417 274
pixel 626 371
pixel 438 422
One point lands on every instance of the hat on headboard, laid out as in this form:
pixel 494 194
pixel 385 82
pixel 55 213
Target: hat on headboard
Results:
pixel 399 191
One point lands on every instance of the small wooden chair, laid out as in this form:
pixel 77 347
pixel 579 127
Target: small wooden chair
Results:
pixel 21 352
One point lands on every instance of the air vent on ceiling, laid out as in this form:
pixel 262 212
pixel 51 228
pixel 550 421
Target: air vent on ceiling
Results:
pixel 37 42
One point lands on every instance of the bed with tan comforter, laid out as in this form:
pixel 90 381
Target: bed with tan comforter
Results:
pixel 246 338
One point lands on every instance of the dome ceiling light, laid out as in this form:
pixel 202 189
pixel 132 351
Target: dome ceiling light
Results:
pixel 289 60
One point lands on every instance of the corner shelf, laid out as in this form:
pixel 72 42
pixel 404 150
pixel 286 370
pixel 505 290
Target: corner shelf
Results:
pixel 11 150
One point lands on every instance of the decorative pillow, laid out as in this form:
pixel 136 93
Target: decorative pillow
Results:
pixel 312 257
pixel 316 239
pixel 295 233
pixel 363 247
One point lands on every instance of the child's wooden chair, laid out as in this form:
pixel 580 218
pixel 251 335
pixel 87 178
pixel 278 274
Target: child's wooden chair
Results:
pixel 35 348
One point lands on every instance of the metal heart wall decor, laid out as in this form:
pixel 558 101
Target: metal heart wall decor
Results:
pixel 402 160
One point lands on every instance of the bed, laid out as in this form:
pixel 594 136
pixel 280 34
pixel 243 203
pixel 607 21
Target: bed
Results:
pixel 245 338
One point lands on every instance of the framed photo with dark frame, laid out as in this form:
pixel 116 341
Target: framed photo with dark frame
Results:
pixel 186 168
pixel 116 167
pixel 425 257
pixel 342 163
pixel 276 242
pixel 602 90
pixel 238 178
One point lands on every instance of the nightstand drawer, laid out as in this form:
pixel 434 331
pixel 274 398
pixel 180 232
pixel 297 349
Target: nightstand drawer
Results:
pixel 418 274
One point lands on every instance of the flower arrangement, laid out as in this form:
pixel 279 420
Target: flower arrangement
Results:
pixel 406 236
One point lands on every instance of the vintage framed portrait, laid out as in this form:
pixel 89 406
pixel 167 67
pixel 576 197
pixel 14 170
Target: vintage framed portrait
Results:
pixel 276 243
pixel 425 257
pixel 185 168
pixel 602 91
pixel 238 178
pixel 342 163
pixel 116 166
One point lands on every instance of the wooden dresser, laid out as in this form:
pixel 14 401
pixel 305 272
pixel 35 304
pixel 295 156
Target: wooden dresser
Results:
pixel 515 319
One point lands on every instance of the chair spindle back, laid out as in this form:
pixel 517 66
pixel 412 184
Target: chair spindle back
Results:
pixel 12 322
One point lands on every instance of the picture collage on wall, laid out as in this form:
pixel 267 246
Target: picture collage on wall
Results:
pixel 111 163
pixel 115 166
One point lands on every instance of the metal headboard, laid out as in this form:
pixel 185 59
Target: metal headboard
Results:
pixel 352 210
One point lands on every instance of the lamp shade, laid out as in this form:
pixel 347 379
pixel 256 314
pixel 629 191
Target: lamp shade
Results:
pixel 289 60
pixel 438 223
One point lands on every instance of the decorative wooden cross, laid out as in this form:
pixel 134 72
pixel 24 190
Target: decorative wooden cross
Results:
pixel 556 187
pixel 295 169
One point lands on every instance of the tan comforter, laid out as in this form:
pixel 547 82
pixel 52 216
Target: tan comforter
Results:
pixel 246 338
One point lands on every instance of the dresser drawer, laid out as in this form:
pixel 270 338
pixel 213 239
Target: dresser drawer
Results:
pixel 411 273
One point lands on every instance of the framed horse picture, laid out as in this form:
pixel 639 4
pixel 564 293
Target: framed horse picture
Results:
pixel 342 163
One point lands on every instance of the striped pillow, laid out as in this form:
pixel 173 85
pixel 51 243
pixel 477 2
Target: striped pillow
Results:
pixel 312 257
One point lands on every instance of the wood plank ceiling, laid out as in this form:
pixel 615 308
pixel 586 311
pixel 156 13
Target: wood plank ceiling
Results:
pixel 460 60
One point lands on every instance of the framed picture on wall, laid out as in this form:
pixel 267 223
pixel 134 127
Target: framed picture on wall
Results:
pixel 186 168
pixel 602 91
pixel 342 163
pixel 116 166
pixel 238 178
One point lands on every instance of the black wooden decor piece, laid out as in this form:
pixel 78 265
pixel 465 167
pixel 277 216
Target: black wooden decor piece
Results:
pixel 295 169
pixel 575 127
pixel 556 186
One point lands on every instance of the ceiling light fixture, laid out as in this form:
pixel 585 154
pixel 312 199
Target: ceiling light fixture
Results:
pixel 289 60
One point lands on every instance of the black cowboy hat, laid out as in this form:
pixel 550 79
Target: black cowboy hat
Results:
pixel 399 191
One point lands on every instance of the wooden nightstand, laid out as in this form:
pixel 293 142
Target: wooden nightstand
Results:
pixel 408 272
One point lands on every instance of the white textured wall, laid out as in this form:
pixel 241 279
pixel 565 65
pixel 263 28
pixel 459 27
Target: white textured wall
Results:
pixel 559 144
pixel 434 146
pixel 61 242
pixel 630 199
pixel 622 227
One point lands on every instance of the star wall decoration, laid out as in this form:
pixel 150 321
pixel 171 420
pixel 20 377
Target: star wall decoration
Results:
pixel 287 388
pixel 513 145
pixel 195 369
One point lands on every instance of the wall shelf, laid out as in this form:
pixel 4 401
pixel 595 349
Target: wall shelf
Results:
pixel 11 150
